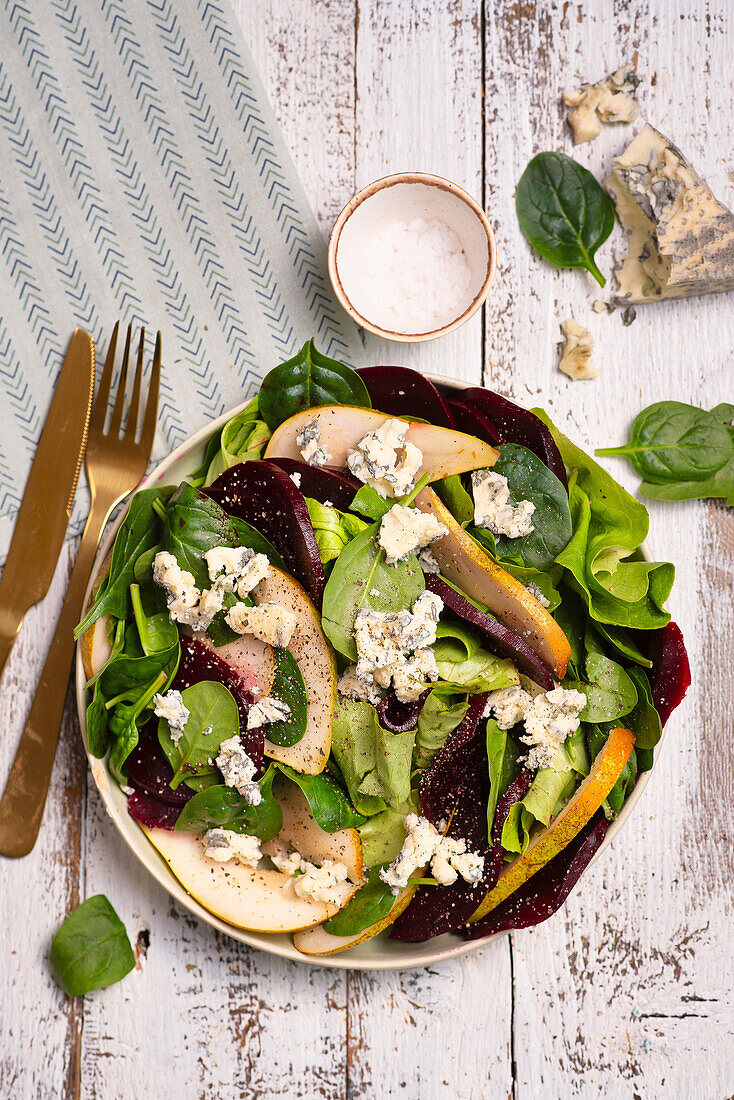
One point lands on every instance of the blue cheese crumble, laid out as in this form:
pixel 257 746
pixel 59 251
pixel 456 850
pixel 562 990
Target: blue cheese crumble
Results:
pixel 549 718
pixel 449 857
pixel 393 648
pixel 492 507
pixel 308 440
pixel 222 845
pixel 405 531
pixel 238 770
pixel 385 460
pixel 172 708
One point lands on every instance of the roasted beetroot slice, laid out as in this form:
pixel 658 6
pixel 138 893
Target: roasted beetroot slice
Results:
pixel 322 482
pixel 200 662
pixel 151 812
pixel 543 895
pixel 401 391
pixel 263 495
pixel 499 639
pixel 399 717
pixel 150 773
pixel 514 793
pixel 471 420
pixel 671 672
pixel 516 425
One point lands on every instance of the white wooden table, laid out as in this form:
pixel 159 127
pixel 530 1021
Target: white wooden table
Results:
pixel 628 991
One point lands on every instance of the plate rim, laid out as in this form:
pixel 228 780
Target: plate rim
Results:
pixel 448 946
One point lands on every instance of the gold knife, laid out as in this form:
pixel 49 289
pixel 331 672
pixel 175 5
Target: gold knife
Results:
pixel 49 493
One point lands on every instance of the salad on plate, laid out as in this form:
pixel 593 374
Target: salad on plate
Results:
pixel 391 660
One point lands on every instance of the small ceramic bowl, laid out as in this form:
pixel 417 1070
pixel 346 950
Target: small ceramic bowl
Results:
pixel 405 201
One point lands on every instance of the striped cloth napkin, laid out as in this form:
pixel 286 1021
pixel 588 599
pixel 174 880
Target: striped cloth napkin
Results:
pixel 143 176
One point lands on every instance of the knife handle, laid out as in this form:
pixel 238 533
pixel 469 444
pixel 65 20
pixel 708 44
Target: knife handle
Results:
pixel 23 802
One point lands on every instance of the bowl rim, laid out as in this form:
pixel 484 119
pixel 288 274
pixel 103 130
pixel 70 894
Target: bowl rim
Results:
pixel 448 946
pixel 367 192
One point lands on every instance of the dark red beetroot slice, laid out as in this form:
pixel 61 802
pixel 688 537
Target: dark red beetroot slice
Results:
pixel 149 771
pixel 516 791
pixel 516 425
pixel 200 662
pixel 401 391
pixel 399 717
pixel 151 812
pixel 474 422
pixel 543 895
pixel 323 483
pixel 498 638
pixel 263 495
pixel 671 672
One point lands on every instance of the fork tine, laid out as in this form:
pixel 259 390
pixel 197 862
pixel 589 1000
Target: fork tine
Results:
pixel 131 428
pixel 99 412
pixel 151 409
pixel 116 419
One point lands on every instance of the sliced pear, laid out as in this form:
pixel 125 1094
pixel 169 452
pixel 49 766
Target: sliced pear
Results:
pixel 605 771
pixel 95 646
pixel 316 662
pixel 317 941
pixel 445 451
pixel 302 832
pixel 466 565
pixel 247 897
pixel 251 659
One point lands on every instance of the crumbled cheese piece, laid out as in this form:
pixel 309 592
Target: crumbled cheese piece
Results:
pixel 549 720
pixel 600 306
pixel 328 883
pixel 609 100
pixel 269 622
pixel 182 595
pixel 405 531
pixel 576 357
pixel 307 441
pixel 411 678
pixel 353 687
pixel 235 570
pixel 266 710
pixel 296 479
pixel 509 705
pixel 239 770
pixel 535 591
pixel 385 460
pixel 223 845
pixel 492 508
pixel 424 843
pixel 288 863
pixel 172 707
pixel 385 639
pixel 427 561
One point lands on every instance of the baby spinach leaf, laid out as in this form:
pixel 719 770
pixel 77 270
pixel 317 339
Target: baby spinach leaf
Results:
pixel 440 715
pixel 195 524
pixel 563 212
pixel 503 762
pixel 458 501
pixel 138 534
pixel 250 536
pixel 213 717
pixel 309 379
pixel 156 632
pixel 372 903
pixel 643 719
pixel 528 478
pixel 91 949
pixel 288 686
pixel 368 502
pixel 221 807
pixel 329 805
pixel 610 692
pixel 621 640
pixel 719 486
pixel 361 579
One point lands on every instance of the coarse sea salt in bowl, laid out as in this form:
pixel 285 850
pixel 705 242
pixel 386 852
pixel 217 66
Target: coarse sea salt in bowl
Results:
pixel 411 257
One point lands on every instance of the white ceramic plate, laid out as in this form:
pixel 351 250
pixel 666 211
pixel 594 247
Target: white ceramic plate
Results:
pixel 379 953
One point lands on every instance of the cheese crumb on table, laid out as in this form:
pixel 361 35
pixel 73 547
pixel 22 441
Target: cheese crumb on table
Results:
pixel 239 770
pixel 610 100
pixel 385 460
pixel 405 531
pixel 223 845
pixel 492 507
pixel 576 355
pixel 308 440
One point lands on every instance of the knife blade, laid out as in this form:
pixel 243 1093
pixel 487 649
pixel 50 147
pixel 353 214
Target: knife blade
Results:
pixel 45 509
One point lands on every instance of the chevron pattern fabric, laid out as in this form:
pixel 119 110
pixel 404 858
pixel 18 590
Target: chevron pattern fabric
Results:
pixel 143 176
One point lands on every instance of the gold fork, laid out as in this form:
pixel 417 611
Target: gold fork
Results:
pixel 115 462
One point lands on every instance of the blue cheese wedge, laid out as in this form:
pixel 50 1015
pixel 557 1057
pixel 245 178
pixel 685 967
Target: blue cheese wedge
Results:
pixel 681 238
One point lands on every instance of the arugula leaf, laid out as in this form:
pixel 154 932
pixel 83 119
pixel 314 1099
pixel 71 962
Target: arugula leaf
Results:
pixel 502 759
pixel 440 715
pixel 329 805
pixel 213 717
pixel 195 524
pixel 372 903
pixel 306 380
pixel 528 478
pixel 563 212
pixel 91 949
pixel 375 763
pixel 361 579
pixel 289 686
pixel 222 807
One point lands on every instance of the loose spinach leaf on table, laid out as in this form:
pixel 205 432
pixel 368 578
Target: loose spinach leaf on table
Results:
pixel 290 688
pixel 528 478
pixel 309 378
pixel 563 212
pixel 213 717
pixel 328 803
pixel 221 807
pixel 372 903
pixel 195 524
pixel 91 949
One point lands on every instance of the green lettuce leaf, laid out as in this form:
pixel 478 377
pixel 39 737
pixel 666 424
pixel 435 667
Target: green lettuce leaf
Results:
pixel 375 763
pixel 440 715
pixel 333 529
pixel 548 794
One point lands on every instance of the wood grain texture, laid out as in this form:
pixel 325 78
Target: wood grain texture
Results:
pixel 628 991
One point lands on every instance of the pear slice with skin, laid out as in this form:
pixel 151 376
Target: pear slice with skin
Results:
pixel 444 450
pixel 317 941
pixel 302 832
pixel 578 811
pixel 95 646
pixel 465 564
pixel 316 662
pixel 247 897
